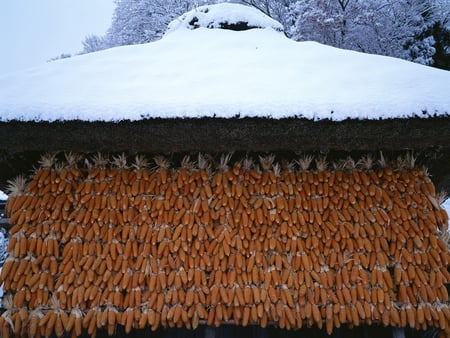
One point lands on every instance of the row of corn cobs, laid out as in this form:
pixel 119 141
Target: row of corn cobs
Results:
pixel 105 246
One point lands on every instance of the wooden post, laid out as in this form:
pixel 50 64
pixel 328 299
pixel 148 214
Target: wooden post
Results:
pixel 337 333
pixel 210 332
pixel 430 332
pixel 366 331
pixel 259 332
pixel 398 332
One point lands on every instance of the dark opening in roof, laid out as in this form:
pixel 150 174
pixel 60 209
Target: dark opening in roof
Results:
pixel 234 26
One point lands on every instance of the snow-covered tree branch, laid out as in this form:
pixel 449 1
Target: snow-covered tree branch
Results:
pixel 415 30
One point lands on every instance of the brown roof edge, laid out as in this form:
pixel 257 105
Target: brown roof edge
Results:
pixel 21 142
pixel 215 134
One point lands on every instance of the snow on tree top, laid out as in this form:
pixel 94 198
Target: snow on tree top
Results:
pixel 226 16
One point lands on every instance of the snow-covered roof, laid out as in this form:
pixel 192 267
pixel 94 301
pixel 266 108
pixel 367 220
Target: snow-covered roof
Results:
pixel 224 15
pixel 224 73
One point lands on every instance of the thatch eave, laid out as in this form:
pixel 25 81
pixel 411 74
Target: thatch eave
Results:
pixel 218 134
pixel 428 138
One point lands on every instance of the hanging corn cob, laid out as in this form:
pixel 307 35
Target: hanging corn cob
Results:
pixel 249 244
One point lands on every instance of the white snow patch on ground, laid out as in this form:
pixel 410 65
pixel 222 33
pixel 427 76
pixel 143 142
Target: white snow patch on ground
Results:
pixel 446 206
pixel 222 73
pixel 3 196
pixel 1 291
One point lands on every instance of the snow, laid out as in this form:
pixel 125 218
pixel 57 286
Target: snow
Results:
pixel 3 196
pixel 1 290
pixel 224 13
pixel 192 73
pixel 446 206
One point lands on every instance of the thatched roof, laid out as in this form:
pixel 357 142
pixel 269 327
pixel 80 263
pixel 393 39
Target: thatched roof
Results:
pixel 234 242
pixel 196 73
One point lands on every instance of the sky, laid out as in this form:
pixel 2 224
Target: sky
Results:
pixel 34 31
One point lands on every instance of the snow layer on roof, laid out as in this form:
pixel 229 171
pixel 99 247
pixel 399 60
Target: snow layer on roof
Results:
pixel 215 16
pixel 223 73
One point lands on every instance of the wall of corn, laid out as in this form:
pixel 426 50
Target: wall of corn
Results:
pixel 118 244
